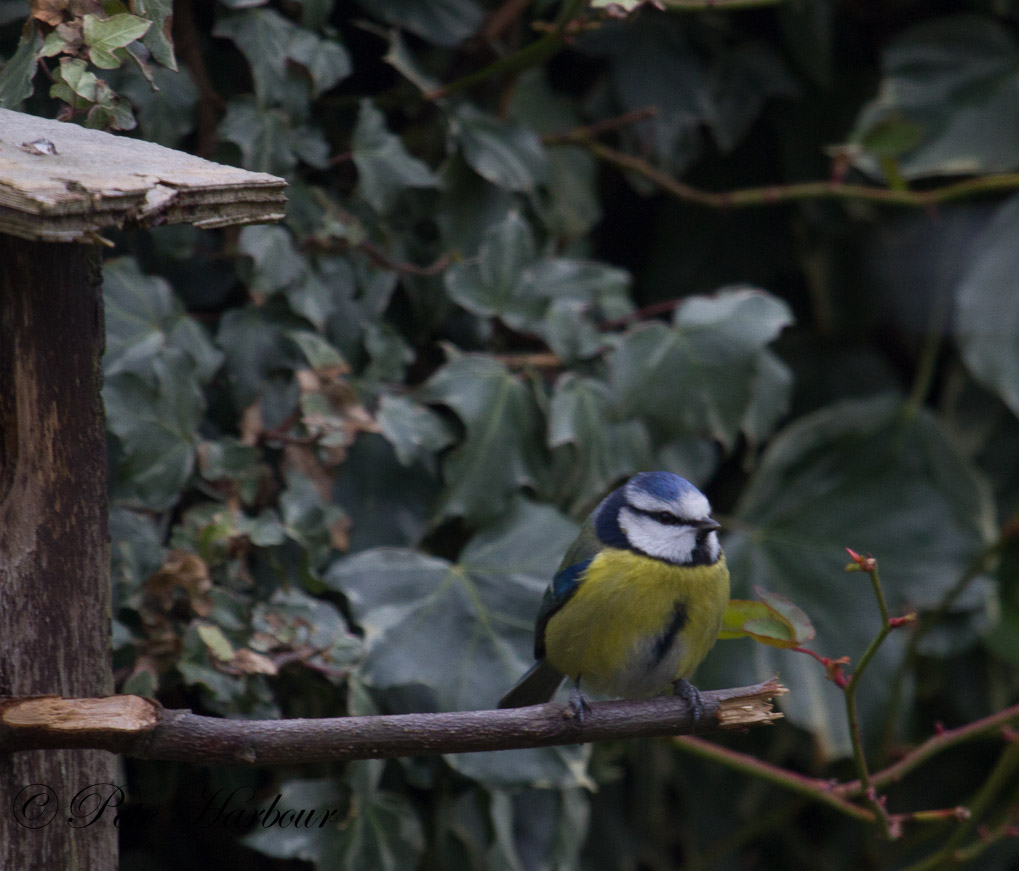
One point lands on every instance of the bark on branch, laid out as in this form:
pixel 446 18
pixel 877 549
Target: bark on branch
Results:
pixel 134 726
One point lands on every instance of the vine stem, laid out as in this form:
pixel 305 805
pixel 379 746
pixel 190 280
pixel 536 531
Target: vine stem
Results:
pixel 530 55
pixel 980 564
pixel 770 195
pixel 817 790
pixel 704 5
pixel 953 852
pixel 868 565
pixel 934 745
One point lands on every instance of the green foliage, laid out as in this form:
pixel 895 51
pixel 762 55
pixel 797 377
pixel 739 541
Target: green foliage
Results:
pixel 89 33
pixel 348 451
pixel 940 78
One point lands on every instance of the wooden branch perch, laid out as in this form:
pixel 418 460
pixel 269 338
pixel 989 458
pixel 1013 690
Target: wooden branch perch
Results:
pixel 139 727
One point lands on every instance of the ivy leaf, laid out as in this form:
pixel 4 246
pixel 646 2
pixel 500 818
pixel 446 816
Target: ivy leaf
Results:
pixel 500 452
pixel 166 115
pixel 416 432
pixel 652 63
pixel 401 58
pixel 948 77
pixel 255 342
pixel 159 38
pixel 598 285
pixel 136 549
pixel 502 152
pixel 388 503
pixel 464 631
pixel 268 41
pixel 988 320
pixel 310 843
pixel 262 36
pixel 275 260
pixel 384 166
pixel 138 311
pixel 72 80
pixel 573 207
pixel 495 282
pixel 111 111
pixel 866 474
pixel 774 620
pixel 421 614
pixel 769 400
pixel 604 449
pixel 383 830
pixel 442 22
pixel 697 377
pixel 19 71
pixel 262 136
pixel 326 61
pixel 469 206
pixel 741 79
pixel 143 317
pixel 268 139
pixel 309 519
pixel 555 297
pixel 155 418
pixel 317 351
pixel 104 36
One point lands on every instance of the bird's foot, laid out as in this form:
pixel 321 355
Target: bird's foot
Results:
pixel 692 696
pixel 577 706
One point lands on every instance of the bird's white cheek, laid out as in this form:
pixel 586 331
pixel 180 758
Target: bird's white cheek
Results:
pixel 714 548
pixel 674 544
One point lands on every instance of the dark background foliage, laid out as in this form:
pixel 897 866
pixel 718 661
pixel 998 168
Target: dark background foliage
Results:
pixel 347 451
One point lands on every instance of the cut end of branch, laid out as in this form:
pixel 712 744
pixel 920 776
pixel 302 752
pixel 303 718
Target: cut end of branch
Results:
pixel 54 714
pixel 751 709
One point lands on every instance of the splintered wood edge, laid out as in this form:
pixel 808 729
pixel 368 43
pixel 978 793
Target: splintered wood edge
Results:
pixel 750 710
pixel 55 714
pixel 93 181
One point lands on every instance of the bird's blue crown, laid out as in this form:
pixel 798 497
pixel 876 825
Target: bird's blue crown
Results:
pixel 664 486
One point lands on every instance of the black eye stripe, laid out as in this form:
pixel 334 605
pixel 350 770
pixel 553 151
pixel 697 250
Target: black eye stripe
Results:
pixel 665 517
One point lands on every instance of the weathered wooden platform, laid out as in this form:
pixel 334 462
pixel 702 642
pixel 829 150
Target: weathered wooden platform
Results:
pixel 63 183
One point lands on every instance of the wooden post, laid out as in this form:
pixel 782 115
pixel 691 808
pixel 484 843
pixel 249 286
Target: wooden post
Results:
pixel 60 186
pixel 54 572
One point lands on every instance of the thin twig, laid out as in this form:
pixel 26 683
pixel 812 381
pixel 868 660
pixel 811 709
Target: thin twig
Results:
pixel 809 787
pixel 934 745
pixel 702 5
pixel 976 568
pixel 380 258
pixel 951 853
pixel 590 131
pixel 869 565
pixel 641 314
pixel 1005 828
pixel 770 195
pixel 530 55
pixel 980 563
pixel 501 19
pixel 530 360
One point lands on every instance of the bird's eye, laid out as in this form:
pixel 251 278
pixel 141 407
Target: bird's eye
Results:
pixel 666 517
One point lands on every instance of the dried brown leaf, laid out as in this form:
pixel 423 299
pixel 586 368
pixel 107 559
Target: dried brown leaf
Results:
pixel 49 12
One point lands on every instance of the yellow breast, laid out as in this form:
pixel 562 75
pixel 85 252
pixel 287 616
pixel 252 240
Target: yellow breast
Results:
pixel 635 624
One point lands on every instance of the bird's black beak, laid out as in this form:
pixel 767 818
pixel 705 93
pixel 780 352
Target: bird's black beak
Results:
pixel 708 524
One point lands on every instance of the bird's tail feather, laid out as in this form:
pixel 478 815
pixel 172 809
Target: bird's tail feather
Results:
pixel 538 685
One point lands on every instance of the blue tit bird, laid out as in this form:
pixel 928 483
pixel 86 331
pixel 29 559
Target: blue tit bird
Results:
pixel 637 602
